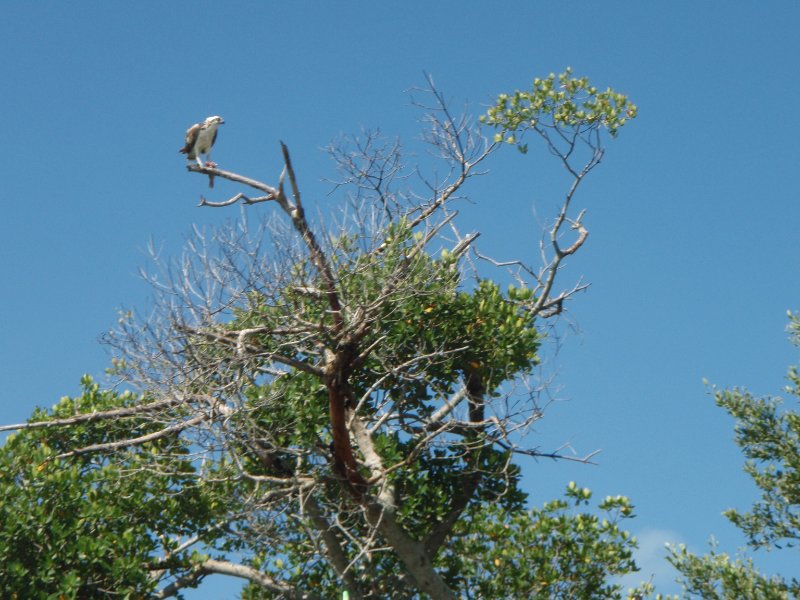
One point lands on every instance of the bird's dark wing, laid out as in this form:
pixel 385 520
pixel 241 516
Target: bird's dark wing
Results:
pixel 191 137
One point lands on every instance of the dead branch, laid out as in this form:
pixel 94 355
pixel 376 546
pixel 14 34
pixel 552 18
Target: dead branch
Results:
pixel 132 411
pixel 136 441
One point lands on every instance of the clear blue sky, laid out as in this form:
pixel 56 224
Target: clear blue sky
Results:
pixel 693 253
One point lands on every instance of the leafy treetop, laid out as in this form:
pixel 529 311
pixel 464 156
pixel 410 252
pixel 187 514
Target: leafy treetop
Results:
pixel 571 103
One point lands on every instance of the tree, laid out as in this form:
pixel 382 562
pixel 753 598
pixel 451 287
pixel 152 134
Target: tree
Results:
pixel 87 524
pixel 344 403
pixel 769 437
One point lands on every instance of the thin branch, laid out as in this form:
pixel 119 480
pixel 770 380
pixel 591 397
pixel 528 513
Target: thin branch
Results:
pixel 137 441
pixel 97 416
pixel 268 190
pixel 221 567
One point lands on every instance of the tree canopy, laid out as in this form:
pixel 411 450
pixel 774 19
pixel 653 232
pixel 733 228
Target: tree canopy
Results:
pixel 769 437
pixel 331 404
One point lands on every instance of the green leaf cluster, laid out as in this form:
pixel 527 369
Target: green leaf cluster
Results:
pixel 769 437
pixel 478 331
pixel 81 526
pixel 560 101
pixel 715 576
pixel 557 551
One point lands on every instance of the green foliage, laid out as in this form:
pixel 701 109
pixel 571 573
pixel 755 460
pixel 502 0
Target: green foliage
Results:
pixel 557 551
pixel 481 331
pixel 770 440
pixel 769 437
pixel 563 102
pixel 716 577
pixel 78 527
pixel 429 485
pixel 476 330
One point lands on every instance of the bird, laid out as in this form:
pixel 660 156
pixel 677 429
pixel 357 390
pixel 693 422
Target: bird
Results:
pixel 199 139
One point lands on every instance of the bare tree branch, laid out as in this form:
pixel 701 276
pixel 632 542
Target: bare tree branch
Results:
pixel 221 567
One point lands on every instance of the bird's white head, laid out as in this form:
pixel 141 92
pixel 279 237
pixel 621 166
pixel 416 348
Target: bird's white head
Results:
pixel 215 120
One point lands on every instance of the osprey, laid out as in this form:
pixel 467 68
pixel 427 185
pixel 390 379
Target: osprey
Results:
pixel 199 139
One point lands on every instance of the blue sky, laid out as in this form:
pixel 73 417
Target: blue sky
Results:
pixel 693 252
